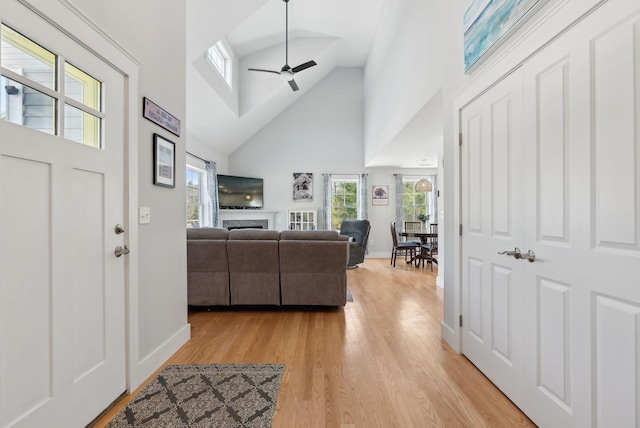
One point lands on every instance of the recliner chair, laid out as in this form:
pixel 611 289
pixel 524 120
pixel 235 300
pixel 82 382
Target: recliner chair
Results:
pixel 358 230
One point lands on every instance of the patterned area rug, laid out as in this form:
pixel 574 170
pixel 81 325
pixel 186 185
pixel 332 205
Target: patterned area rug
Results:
pixel 211 395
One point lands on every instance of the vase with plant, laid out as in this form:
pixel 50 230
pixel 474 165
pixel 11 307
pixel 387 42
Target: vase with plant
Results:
pixel 423 218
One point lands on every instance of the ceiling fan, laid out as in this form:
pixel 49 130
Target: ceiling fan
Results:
pixel 286 73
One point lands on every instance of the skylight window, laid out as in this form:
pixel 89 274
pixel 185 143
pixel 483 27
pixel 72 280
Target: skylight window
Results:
pixel 219 57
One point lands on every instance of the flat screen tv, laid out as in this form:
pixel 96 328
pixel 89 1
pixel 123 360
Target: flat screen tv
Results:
pixel 240 192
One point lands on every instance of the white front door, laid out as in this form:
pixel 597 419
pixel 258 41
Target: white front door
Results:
pixel 575 317
pixel 62 331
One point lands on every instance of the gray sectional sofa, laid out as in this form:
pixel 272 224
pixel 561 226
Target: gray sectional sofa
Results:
pixel 266 267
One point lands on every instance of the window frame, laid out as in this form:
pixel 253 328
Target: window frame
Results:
pixel 224 53
pixel 429 198
pixel 203 211
pixel 343 178
pixel 57 93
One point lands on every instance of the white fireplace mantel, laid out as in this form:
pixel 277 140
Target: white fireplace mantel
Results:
pixel 268 215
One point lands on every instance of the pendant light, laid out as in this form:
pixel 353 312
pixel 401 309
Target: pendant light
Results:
pixel 423 186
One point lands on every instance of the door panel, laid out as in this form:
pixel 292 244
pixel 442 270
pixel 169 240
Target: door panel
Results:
pixel 580 214
pixel 492 295
pixel 61 286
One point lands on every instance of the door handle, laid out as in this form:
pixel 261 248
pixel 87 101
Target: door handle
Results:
pixel 529 255
pixel 120 251
pixel 515 253
pixel 119 229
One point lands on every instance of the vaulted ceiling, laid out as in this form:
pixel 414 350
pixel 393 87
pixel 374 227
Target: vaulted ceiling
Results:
pixel 334 33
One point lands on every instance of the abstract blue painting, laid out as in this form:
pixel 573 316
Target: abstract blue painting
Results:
pixel 488 21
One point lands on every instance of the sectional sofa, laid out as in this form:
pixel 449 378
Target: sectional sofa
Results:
pixel 266 267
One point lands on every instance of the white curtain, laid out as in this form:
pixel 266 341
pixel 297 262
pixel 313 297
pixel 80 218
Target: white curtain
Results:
pixel 363 202
pixel 399 218
pixel 212 189
pixel 326 201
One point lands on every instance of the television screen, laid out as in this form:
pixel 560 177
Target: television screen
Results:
pixel 240 192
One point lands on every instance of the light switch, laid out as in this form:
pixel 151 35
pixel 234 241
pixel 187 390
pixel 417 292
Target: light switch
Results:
pixel 145 215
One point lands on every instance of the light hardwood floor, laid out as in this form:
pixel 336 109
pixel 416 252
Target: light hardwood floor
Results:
pixel 378 362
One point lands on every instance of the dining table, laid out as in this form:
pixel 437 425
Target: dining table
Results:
pixel 424 239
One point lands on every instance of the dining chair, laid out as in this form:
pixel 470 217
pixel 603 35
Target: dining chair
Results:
pixel 407 248
pixel 430 249
pixel 412 226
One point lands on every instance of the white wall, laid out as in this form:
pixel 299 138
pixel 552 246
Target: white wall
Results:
pixel 155 33
pixel 403 70
pixel 320 133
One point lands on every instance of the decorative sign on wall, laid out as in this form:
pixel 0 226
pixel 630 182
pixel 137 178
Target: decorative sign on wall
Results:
pixel 155 114
pixel 303 186
pixel 487 23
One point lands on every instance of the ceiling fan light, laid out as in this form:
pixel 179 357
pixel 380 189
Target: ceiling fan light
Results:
pixel 423 186
pixel 286 76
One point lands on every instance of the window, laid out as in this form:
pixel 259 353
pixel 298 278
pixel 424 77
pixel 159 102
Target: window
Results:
pixel 31 96
pixel 344 200
pixel 196 182
pixel 417 204
pixel 218 55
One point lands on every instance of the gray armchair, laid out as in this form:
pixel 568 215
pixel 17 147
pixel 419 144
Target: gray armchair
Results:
pixel 358 230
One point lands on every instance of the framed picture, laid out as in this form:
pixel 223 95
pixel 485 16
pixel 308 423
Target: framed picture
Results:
pixel 303 186
pixel 164 162
pixel 487 24
pixel 380 195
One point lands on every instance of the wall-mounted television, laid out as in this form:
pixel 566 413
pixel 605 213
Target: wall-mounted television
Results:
pixel 240 192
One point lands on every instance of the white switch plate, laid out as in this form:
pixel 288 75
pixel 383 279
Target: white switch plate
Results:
pixel 145 215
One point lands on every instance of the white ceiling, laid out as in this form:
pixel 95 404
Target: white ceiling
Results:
pixel 334 33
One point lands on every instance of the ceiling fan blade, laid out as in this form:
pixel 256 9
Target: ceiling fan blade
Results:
pixel 293 85
pixel 265 71
pixel 303 66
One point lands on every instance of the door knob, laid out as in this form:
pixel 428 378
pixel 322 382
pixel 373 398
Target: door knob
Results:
pixel 515 253
pixel 529 255
pixel 119 229
pixel 120 251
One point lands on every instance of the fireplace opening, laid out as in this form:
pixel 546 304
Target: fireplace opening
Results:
pixel 245 224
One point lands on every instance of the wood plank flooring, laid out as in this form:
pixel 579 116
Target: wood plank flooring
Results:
pixel 378 362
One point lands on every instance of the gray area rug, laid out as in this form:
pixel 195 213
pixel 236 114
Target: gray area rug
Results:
pixel 349 296
pixel 210 395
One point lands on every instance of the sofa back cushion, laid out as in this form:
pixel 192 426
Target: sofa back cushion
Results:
pixel 254 270
pixel 254 234
pixel 309 235
pixel 207 233
pixel 207 268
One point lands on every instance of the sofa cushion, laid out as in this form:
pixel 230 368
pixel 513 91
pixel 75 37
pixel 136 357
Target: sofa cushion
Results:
pixel 309 235
pixel 254 234
pixel 207 233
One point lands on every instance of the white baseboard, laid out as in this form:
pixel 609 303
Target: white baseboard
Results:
pixel 450 336
pixel 149 364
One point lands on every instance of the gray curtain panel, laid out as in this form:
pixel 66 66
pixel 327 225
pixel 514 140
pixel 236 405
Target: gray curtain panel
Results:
pixel 212 188
pixel 363 202
pixel 326 201
pixel 399 218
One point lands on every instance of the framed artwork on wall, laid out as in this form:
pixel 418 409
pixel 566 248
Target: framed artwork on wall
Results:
pixel 303 186
pixel 380 195
pixel 164 162
pixel 488 23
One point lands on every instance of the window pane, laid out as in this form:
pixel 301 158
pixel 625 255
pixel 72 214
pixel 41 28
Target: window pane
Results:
pixel 81 127
pixel 26 58
pixel 81 87
pixel 25 106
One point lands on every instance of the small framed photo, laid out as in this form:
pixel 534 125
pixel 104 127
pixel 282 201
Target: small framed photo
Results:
pixel 380 195
pixel 164 162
